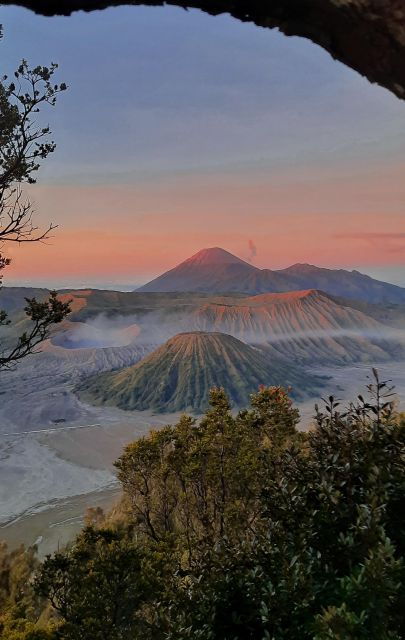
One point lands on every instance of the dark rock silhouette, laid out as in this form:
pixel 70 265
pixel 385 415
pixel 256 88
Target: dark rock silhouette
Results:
pixel 367 35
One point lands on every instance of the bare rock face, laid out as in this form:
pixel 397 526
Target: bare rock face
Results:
pixel 367 35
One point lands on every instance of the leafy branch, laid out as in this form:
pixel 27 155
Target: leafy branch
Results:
pixel 43 315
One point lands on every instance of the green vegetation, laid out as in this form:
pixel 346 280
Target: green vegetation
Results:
pixel 235 528
pixel 179 375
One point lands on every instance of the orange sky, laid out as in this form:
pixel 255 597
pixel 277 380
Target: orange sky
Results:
pixel 123 232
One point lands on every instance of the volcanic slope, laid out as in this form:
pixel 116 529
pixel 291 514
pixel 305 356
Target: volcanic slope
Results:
pixel 305 325
pixel 210 270
pixel 309 326
pixel 180 373
pixel 215 270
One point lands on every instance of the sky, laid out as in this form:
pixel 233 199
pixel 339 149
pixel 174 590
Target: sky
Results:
pixel 181 131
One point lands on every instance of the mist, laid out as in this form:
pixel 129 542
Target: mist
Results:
pixel 155 327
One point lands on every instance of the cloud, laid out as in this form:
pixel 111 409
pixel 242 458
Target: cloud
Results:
pixel 366 235
pixel 383 241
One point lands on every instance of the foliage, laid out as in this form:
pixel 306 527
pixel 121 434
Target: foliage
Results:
pixel 330 563
pixel 14 625
pixel 23 145
pixel 201 480
pixel 43 315
pixel 99 586
pixel 15 569
pixel 20 607
pixel 239 527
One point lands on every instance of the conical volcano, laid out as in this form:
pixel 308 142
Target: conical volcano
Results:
pixel 208 270
pixel 213 256
pixel 180 373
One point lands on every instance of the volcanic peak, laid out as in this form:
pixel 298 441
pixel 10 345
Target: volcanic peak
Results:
pixel 213 256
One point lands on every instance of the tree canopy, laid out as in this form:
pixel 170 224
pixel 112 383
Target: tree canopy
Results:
pixel 241 526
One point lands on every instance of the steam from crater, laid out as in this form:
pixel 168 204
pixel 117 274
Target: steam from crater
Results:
pixel 97 333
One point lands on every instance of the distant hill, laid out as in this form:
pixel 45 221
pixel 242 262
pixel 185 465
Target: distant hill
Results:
pixel 275 315
pixel 309 327
pixel 215 270
pixel 388 313
pixel 180 373
pixel 13 298
pixel 339 282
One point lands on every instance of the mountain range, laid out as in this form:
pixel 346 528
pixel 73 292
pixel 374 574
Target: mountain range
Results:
pixel 215 270
pixel 207 322
pixel 237 342
pixel 307 327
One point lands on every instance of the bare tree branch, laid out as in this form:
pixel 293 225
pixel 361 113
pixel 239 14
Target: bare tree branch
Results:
pixel 16 219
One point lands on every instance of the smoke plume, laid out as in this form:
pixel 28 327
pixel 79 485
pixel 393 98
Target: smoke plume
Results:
pixel 252 251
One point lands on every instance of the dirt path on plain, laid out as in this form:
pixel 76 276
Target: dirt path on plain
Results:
pixel 54 527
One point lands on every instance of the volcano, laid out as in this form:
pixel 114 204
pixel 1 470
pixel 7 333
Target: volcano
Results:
pixel 209 271
pixel 215 270
pixel 180 373
pixel 308 327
